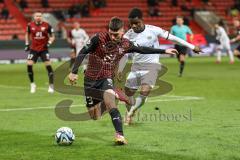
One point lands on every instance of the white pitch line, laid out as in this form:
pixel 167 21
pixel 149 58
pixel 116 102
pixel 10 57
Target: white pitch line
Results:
pixel 23 88
pixel 82 105
pixel 151 100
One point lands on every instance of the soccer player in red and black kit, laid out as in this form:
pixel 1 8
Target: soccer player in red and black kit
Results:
pixel 105 50
pixel 41 36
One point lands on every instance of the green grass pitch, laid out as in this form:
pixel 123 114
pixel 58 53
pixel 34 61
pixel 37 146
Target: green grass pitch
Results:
pixel 207 99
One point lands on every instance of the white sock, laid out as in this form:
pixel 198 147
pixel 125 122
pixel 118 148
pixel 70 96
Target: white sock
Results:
pixel 219 56
pixel 140 100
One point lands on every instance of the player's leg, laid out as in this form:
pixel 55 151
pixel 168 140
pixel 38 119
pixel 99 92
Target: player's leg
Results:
pixel 109 97
pixel 100 94
pixel 219 53
pixel 182 64
pixel 229 51
pixel 148 81
pixel 46 59
pixel 31 59
pixel 141 99
pixel 181 58
pixel 131 86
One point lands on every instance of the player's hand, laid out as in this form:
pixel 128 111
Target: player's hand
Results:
pixel 72 78
pixel 49 44
pixel 27 48
pixel 120 76
pixel 171 51
pixel 197 49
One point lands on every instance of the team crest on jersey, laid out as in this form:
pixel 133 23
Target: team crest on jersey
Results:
pixel 121 50
pixel 43 28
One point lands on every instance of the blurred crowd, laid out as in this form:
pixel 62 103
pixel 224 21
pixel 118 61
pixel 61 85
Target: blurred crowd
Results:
pixel 75 11
pixel 234 10
pixel 4 13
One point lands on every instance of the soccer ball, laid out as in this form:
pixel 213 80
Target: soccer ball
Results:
pixel 64 136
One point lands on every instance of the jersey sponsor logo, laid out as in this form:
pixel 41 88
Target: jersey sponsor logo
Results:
pixel 43 28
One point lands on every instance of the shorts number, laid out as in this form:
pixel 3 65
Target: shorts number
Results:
pixel 30 56
pixel 89 100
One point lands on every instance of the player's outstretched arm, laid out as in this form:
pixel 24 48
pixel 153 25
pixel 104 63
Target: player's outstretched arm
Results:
pixel 173 38
pixel 148 50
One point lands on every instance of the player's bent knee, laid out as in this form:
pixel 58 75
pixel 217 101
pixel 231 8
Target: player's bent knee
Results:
pixel 109 99
pixel 30 62
pixel 145 90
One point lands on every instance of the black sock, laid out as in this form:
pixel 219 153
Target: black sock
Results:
pixel 182 64
pixel 72 62
pixel 116 120
pixel 30 73
pixel 50 74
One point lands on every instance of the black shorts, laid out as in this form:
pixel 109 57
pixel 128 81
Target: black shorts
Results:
pixel 181 49
pixel 94 90
pixel 34 55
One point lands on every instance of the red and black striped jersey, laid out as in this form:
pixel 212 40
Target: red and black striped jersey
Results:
pixel 39 35
pixel 104 59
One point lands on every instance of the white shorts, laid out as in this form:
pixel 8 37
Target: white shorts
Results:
pixel 142 74
pixel 224 45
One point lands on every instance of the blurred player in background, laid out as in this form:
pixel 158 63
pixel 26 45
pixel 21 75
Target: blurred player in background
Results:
pixel 77 38
pixel 148 36
pixel 39 36
pixel 105 50
pixel 224 42
pixel 236 24
pixel 180 30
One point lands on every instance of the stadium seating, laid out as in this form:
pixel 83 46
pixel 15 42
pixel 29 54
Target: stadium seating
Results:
pixel 10 27
pixel 99 17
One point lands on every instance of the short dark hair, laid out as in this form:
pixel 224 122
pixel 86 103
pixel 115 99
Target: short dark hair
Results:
pixel 221 23
pixel 135 13
pixel 181 17
pixel 115 24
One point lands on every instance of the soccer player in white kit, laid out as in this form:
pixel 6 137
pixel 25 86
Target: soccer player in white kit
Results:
pixel 224 41
pixel 77 39
pixel 147 36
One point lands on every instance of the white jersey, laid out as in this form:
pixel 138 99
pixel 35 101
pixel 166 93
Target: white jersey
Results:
pixel 148 38
pixel 79 38
pixel 222 35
